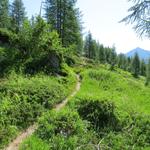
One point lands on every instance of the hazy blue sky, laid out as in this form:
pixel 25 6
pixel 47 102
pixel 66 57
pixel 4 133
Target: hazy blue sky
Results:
pixel 101 17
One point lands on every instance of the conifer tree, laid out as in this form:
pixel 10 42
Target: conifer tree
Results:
pixel 148 73
pixel 65 19
pixel 89 47
pixel 143 68
pixel 4 13
pixel 129 64
pixel 139 17
pixel 122 61
pixel 18 14
pixel 101 54
pixel 135 66
pixel 113 58
pixel 108 54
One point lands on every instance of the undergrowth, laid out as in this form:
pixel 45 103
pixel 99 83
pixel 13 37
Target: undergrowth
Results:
pixel 110 112
pixel 24 98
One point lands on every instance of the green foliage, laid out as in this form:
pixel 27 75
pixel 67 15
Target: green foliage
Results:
pixel 148 73
pixel 143 68
pixel 34 143
pixel 4 14
pixel 135 66
pixel 113 58
pixel 139 17
pixel 94 50
pixel 36 49
pixel 134 134
pixel 63 130
pixel 7 132
pixel 6 36
pixel 118 87
pixel 126 129
pixel 101 54
pixel 18 15
pixel 124 63
pixel 91 122
pixel 90 47
pixel 23 99
pixel 7 57
pixel 99 113
pixel 65 19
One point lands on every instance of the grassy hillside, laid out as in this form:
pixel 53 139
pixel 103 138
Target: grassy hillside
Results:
pixel 118 86
pixel 110 112
pixel 24 98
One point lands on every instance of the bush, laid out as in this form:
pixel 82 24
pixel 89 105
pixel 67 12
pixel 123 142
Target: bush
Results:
pixel 100 75
pixel 23 99
pixel 64 123
pixel 100 114
pixel 6 36
pixel 63 130
pixel 135 134
pixel 34 143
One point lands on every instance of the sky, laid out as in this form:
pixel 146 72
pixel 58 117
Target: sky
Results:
pixel 101 18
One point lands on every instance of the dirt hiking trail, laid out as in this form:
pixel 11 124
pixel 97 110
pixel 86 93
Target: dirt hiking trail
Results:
pixel 14 145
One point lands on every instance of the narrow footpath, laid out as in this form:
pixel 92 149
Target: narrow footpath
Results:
pixel 14 145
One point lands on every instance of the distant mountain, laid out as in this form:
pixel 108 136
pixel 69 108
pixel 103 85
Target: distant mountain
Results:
pixel 143 54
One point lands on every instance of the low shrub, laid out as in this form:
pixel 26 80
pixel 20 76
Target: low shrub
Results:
pixel 23 99
pixel 6 36
pixel 135 134
pixel 63 130
pixel 100 114
pixel 34 143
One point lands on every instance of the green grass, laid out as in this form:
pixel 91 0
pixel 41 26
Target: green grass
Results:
pixel 24 98
pixel 103 93
pixel 130 97
pixel 34 143
pixel 119 87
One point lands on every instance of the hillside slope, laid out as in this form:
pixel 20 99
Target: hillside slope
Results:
pixel 111 111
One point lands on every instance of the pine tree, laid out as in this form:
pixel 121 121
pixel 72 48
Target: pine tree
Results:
pixel 148 73
pixel 18 14
pixel 101 55
pixel 89 46
pixel 65 19
pixel 135 66
pixel 4 13
pixel 143 68
pixel 121 60
pixel 129 64
pixel 113 58
pixel 139 17
pixel 108 51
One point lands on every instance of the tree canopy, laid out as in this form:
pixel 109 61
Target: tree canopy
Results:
pixel 140 17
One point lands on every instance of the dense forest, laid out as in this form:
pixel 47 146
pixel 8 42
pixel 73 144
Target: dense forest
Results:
pixel 39 60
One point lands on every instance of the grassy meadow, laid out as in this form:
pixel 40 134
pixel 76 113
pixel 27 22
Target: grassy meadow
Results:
pixel 24 98
pixel 110 112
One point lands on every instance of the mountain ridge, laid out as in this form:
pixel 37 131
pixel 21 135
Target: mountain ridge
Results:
pixel 143 54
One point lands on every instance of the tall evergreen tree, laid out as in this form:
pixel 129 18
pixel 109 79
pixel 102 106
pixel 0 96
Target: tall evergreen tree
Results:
pixel 113 58
pixel 143 68
pixel 4 13
pixel 101 54
pixel 89 46
pixel 129 64
pixel 122 61
pixel 135 66
pixel 148 73
pixel 65 19
pixel 18 14
pixel 108 54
